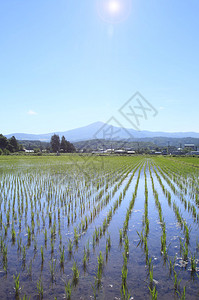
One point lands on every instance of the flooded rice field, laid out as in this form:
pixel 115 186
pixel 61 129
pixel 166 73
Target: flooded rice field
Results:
pixel 82 227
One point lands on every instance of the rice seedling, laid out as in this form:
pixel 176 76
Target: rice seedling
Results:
pixel 52 246
pixel 126 245
pixel 24 253
pixel 121 235
pixel 42 255
pixel 76 236
pixel 125 295
pixel 193 263
pixel 6 230
pixel 151 277
pixel 75 273
pixel 29 269
pixel 108 242
pixel 185 252
pixel 141 236
pixel 124 272
pixel 68 290
pixel 154 293
pixel 176 281
pixel 25 297
pixel 40 288
pixel 94 288
pixel 16 282
pixel 70 246
pixel 62 256
pixel 45 236
pixel 29 234
pixel 183 294
pixel 85 258
pixel 94 240
pixel 13 235
pixel 100 260
pixel 52 266
pixel 87 249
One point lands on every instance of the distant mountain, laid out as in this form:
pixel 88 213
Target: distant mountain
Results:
pixel 100 130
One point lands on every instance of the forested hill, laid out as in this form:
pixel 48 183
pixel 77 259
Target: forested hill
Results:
pixel 149 143
pixel 98 144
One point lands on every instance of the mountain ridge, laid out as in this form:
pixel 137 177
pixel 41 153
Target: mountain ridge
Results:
pixel 97 130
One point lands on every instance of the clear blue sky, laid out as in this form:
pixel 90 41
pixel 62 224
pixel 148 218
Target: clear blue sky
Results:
pixel 66 64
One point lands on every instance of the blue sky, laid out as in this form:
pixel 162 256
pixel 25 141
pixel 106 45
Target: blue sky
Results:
pixel 65 64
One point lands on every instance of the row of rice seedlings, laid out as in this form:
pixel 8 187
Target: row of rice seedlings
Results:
pixel 187 204
pixel 186 177
pixel 51 224
pixel 177 213
pixel 171 185
pixel 146 220
pixel 162 223
pixel 76 237
pixel 108 197
pixel 176 209
pixel 96 235
pixel 52 245
pixel 124 289
pixel 122 177
pixel 131 204
pixel 143 240
pixel 143 237
pixel 183 248
pixel 98 232
pixel 165 191
pixel 152 287
pixel 112 211
pixel 182 181
pixel 181 222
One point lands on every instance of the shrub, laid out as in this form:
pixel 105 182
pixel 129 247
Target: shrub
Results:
pixel 6 152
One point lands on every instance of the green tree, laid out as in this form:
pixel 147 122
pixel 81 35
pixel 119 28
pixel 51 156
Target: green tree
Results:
pixel 70 147
pixel 13 145
pixel 63 145
pixel 66 146
pixel 6 152
pixel 3 142
pixel 55 143
pixel 36 150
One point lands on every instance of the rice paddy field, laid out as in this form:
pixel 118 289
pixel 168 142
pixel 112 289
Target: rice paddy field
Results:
pixel 83 227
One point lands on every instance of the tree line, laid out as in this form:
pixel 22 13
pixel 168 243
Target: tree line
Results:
pixel 61 146
pixel 9 145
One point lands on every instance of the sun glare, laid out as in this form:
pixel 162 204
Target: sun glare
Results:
pixel 114 11
pixel 114 6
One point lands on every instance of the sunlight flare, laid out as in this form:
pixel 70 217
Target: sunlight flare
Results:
pixel 114 6
pixel 114 11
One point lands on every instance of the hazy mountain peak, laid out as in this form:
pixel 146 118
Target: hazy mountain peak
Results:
pixel 95 130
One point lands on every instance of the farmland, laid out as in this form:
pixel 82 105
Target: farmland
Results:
pixel 83 227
